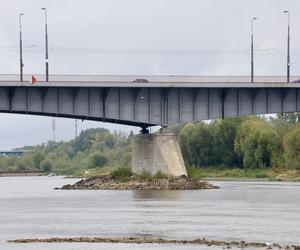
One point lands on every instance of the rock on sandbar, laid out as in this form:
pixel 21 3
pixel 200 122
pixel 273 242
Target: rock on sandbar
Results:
pixel 108 182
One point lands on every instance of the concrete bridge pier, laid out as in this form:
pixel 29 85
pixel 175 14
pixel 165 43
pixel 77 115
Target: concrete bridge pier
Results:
pixel 157 152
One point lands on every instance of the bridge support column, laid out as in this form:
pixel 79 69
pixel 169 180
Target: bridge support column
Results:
pixel 157 152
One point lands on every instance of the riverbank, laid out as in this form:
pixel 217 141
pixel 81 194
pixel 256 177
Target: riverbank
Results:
pixel 136 240
pixel 217 174
pixel 20 174
pixel 110 182
pixel 232 174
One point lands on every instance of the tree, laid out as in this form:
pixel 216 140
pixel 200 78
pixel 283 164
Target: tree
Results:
pixel 291 144
pixel 184 142
pixel 46 166
pixel 97 160
pixel 196 141
pixel 24 162
pixel 93 138
pixel 258 144
pixel 37 158
pixel 224 138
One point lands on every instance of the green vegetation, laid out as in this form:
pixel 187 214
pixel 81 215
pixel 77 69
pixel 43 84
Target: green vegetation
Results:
pixel 160 175
pixel 250 147
pixel 291 145
pixel 258 144
pixel 228 173
pixel 94 151
pixel 94 172
pixel 224 173
pixel 46 166
pixel 122 173
pixel 145 176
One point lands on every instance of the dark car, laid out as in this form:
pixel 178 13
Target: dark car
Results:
pixel 140 81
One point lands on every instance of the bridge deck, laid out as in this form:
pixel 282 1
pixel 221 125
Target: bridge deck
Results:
pixel 143 81
pixel 148 100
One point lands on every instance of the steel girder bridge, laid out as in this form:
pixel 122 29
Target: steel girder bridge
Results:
pixel 146 101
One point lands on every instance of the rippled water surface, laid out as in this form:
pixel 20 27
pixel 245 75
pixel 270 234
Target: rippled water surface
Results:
pixel 251 211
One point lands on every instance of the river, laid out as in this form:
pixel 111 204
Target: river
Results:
pixel 250 211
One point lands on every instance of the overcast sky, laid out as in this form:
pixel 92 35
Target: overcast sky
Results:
pixel 161 37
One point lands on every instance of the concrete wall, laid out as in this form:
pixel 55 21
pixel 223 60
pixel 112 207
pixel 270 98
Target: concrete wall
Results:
pixel 157 152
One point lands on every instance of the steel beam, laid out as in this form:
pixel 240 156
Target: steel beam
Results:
pixel 107 105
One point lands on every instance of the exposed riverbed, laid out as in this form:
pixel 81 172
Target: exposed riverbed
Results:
pixel 250 211
pixel 108 182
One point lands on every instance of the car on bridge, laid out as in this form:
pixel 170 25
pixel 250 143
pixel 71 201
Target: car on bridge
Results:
pixel 140 81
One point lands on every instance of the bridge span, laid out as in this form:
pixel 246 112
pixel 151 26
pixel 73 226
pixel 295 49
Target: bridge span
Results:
pixel 148 100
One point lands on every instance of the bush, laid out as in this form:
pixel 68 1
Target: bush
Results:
pixel 122 173
pixel 291 144
pixel 37 159
pixel 63 166
pixel 46 166
pixel 97 160
pixel 146 176
pixel 25 162
pixel 160 175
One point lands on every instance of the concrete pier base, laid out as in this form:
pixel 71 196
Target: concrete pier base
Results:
pixel 157 152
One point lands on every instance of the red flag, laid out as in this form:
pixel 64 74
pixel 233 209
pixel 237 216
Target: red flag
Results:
pixel 33 79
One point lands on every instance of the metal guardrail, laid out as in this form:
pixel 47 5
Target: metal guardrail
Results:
pixel 151 78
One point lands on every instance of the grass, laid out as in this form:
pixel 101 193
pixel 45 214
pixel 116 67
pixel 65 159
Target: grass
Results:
pixel 238 173
pixel 228 173
pixel 284 174
pixel 94 172
pixel 160 175
pixel 122 173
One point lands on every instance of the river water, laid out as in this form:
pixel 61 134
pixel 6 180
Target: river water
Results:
pixel 250 211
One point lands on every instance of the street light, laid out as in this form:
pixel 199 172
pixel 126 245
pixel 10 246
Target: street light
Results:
pixel 21 47
pixel 288 46
pixel 46 45
pixel 252 52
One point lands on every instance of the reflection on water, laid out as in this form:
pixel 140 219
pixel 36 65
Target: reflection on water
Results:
pixel 166 195
pixel 251 211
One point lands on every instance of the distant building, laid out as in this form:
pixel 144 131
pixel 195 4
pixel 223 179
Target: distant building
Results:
pixel 14 153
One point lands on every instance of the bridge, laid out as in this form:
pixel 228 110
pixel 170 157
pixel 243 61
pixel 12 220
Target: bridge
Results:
pixel 146 101
pixel 14 153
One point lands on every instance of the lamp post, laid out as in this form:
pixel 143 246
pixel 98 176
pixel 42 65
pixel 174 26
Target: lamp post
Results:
pixel 21 47
pixel 46 45
pixel 252 49
pixel 288 47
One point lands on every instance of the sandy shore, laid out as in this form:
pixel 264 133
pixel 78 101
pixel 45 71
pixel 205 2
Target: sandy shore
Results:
pixel 21 174
pixel 107 182
pixel 134 240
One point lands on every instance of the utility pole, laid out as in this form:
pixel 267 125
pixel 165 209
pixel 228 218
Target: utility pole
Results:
pixel 21 47
pixel 53 130
pixel 288 48
pixel 76 128
pixel 252 49
pixel 46 45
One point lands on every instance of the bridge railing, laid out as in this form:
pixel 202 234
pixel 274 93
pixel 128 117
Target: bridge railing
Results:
pixel 150 78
